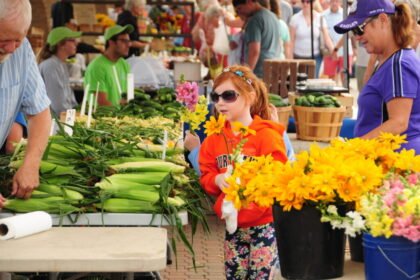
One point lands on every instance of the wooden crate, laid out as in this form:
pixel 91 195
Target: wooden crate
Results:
pixel 345 100
pixel 276 73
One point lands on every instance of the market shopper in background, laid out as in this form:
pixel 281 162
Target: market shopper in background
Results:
pixel 300 34
pixel 107 73
pixel 274 7
pixel 203 34
pixel 261 34
pixel 334 63
pixel 390 101
pixel 241 97
pixel 61 44
pixel 22 89
pixel 132 10
pixel 61 13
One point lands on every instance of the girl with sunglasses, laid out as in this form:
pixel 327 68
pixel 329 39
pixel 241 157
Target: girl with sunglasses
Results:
pixel 390 101
pixel 251 250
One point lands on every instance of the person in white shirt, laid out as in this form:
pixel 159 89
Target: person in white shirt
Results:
pixel 334 63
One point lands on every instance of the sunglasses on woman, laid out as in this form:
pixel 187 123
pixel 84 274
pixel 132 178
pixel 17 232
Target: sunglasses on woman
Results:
pixel 228 96
pixel 360 29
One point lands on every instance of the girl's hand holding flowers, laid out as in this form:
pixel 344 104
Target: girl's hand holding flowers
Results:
pixel 220 180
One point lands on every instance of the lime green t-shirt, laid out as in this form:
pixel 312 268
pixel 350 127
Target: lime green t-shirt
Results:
pixel 106 75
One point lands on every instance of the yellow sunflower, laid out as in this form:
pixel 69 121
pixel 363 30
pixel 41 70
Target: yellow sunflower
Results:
pixel 242 129
pixel 214 126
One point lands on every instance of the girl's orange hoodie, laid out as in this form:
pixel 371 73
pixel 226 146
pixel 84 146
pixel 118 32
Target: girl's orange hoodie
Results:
pixel 213 160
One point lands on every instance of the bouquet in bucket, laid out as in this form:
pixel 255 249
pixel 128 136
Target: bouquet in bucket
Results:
pixel 339 174
pixel 394 209
pixel 195 108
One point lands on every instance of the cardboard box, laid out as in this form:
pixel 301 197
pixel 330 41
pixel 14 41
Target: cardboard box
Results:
pixel 190 70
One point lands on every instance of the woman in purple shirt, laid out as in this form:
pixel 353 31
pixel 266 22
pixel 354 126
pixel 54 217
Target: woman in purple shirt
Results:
pixel 390 101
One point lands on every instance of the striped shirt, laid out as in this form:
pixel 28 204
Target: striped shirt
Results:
pixel 21 88
pixel 398 76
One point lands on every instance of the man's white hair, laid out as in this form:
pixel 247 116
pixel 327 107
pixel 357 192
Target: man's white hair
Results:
pixel 11 8
pixel 130 4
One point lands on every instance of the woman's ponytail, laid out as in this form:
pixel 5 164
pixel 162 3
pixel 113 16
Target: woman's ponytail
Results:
pixel 402 25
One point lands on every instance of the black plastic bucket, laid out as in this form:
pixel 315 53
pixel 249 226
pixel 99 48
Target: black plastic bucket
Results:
pixel 356 248
pixel 308 249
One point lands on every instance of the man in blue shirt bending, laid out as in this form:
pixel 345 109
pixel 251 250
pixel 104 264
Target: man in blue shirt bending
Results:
pixel 22 89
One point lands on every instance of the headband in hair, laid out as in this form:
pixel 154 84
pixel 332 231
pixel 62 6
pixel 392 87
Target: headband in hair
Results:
pixel 238 73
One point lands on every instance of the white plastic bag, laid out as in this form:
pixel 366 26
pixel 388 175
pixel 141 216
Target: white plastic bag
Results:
pixel 149 72
pixel 229 212
pixel 221 40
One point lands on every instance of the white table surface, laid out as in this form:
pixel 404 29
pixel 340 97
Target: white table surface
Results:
pixel 87 249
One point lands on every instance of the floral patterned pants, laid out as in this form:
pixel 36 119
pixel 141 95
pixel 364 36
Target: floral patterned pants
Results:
pixel 251 253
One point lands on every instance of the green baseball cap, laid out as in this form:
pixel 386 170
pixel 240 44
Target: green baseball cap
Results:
pixel 117 29
pixel 58 34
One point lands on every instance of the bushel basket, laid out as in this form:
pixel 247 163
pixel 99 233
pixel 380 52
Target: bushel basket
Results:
pixel 318 123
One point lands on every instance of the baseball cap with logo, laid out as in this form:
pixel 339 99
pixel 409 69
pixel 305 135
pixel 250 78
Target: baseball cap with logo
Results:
pixel 361 10
pixel 59 34
pixel 117 29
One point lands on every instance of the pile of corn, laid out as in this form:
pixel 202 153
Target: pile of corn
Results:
pixel 133 187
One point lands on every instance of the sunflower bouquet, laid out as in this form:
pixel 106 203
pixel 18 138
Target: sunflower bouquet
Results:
pixel 339 174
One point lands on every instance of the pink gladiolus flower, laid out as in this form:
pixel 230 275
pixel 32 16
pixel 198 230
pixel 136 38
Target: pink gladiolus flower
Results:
pixel 405 227
pixel 391 196
pixel 187 93
pixel 397 184
pixel 412 179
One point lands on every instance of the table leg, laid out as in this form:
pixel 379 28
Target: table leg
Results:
pixel 5 276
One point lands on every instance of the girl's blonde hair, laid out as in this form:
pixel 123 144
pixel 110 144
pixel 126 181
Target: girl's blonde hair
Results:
pixel 246 82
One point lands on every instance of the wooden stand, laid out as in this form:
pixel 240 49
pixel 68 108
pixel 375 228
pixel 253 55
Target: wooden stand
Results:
pixel 276 73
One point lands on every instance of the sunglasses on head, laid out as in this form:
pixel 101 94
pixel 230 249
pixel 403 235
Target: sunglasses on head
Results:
pixel 228 96
pixel 360 29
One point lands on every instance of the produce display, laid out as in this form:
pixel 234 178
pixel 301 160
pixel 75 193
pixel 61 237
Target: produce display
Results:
pixel 277 100
pixel 146 105
pixel 119 165
pixel 317 99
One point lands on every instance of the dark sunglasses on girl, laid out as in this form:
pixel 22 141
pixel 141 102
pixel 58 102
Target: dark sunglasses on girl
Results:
pixel 228 96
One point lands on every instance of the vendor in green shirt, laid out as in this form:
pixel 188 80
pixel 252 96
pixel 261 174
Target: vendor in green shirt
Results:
pixel 107 73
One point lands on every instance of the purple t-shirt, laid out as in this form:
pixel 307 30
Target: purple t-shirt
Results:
pixel 399 76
